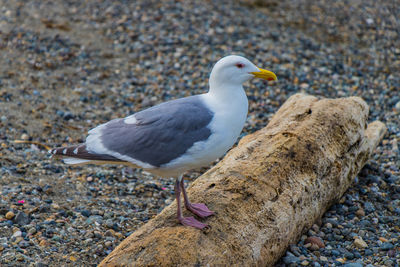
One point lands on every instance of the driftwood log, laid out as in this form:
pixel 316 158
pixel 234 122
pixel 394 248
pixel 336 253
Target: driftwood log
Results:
pixel 266 192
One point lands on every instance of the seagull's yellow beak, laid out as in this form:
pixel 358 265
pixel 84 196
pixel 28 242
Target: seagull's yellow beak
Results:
pixel 265 74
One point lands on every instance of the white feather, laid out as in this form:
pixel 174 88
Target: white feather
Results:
pixel 130 119
pixel 74 161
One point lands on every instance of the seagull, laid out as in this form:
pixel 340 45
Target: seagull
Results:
pixel 176 136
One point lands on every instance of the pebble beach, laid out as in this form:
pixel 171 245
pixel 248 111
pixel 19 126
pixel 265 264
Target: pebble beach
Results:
pixel 67 66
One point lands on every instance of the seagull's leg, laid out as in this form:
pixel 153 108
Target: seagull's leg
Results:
pixel 189 221
pixel 200 209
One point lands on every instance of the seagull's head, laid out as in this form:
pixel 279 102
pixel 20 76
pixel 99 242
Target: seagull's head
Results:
pixel 235 70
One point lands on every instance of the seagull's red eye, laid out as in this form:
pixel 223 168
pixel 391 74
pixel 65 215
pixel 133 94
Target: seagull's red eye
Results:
pixel 240 65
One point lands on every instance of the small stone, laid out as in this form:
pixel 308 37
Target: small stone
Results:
pixel 369 207
pixel 86 213
pixel 110 232
pixel 43 243
pixel 23 244
pixel 97 234
pixel 118 235
pixel 25 136
pixel 22 218
pixel 391 253
pixel 349 255
pixel 304 263
pixel 360 213
pixel 323 258
pixel 315 227
pixel 397 106
pixel 88 241
pixel 387 246
pixel 383 239
pixel 20 257
pixel 109 223
pixel 341 260
pixel 10 215
pixel 17 234
pixel 290 259
pixel 368 252
pixel 360 243
pixel 314 240
pixel 353 264
pixel 304 85
pixel 32 231
pixel 108 244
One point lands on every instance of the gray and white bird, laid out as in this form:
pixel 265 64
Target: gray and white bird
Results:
pixel 176 136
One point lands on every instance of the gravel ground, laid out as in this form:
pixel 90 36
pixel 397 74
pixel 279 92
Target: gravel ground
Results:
pixel 66 66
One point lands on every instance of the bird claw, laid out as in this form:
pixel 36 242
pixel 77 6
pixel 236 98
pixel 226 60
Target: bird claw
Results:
pixel 200 209
pixel 190 221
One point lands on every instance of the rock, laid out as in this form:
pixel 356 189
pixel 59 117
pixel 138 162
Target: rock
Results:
pixel 391 253
pixel 32 231
pixel 86 213
pixel 10 215
pixel 353 264
pixel 290 259
pixel 383 239
pixel 360 243
pixel 109 223
pixel 349 255
pixel 397 106
pixel 369 207
pixel 368 252
pixel 341 260
pixel 23 244
pixel 305 263
pixel 22 218
pixel 16 234
pixel 269 169
pixel 360 213
pixel 24 137
pixel 387 246
pixel 323 258
pixel 314 240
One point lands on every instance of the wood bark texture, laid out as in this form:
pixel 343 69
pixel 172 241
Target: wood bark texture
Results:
pixel 266 192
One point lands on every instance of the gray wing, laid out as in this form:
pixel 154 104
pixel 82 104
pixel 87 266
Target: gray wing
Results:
pixel 161 133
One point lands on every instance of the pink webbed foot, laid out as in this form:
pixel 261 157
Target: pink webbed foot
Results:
pixel 190 221
pixel 200 209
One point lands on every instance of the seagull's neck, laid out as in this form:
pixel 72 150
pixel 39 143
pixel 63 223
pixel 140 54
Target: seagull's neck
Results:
pixel 229 105
pixel 231 98
pixel 227 93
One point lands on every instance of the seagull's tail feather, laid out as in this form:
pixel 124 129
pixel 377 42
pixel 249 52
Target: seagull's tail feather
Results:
pixel 78 154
